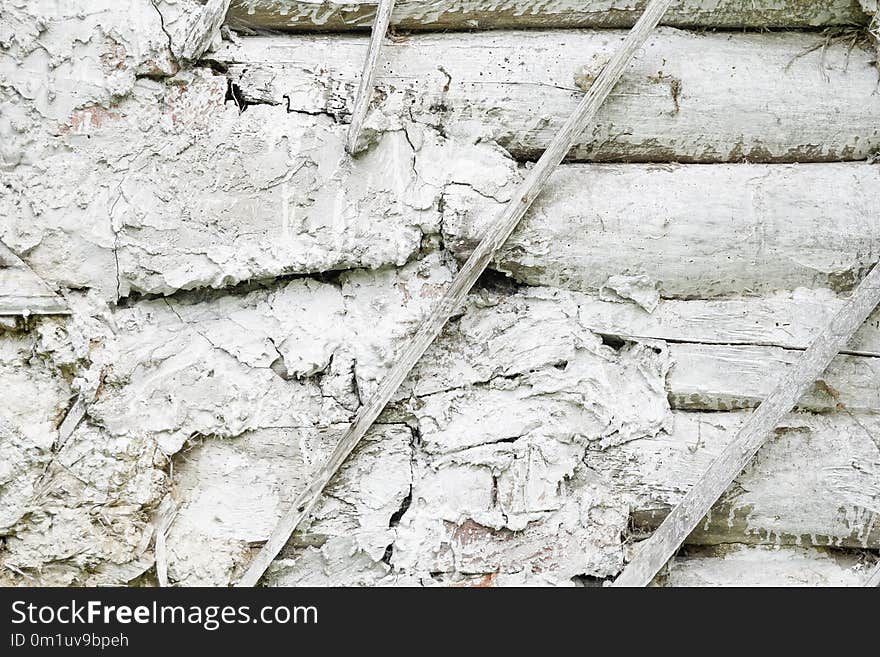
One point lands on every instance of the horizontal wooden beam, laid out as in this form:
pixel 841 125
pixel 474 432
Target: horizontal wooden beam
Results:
pixel 814 483
pixel 688 97
pixel 725 378
pixel 688 232
pixel 764 566
pixel 756 431
pixel 783 319
pixel 344 15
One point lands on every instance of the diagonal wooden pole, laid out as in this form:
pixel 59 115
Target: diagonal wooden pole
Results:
pixel 675 528
pixel 873 580
pixel 491 242
pixel 365 88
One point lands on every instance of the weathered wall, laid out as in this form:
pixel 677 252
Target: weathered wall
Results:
pixel 689 97
pixel 198 272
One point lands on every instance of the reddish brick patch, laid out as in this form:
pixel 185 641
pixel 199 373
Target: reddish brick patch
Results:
pixel 484 582
pixel 89 118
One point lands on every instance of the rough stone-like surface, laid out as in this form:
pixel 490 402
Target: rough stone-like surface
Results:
pixel 195 193
pixel 231 494
pixel 64 64
pixel 500 444
pixel 27 422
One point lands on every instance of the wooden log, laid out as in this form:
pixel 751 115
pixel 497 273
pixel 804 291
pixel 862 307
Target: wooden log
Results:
pixel 785 319
pixel 817 482
pixel 656 551
pixel 202 27
pixel 716 377
pixel 701 376
pixel 21 293
pixel 464 280
pixel 692 231
pixel 688 97
pixel 740 565
pixel 343 15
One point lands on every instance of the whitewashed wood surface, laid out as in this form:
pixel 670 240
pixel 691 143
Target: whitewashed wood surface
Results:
pixel 693 232
pixel 339 15
pixel 759 427
pixel 688 97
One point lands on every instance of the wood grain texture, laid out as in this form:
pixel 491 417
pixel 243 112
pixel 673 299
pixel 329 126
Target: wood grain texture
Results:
pixel 746 566
pixel 694 232
pixel 816 482
pixel 656 551
pixel 202 28
pixel 460 286
pixel 688 97
pixel 344 15
pixel 787 320
pixel 164 518
pixel 726 378
pixel 873 580
pixel 365 87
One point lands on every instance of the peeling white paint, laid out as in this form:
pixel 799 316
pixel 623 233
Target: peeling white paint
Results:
pixel 687 97
pixel 236 286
